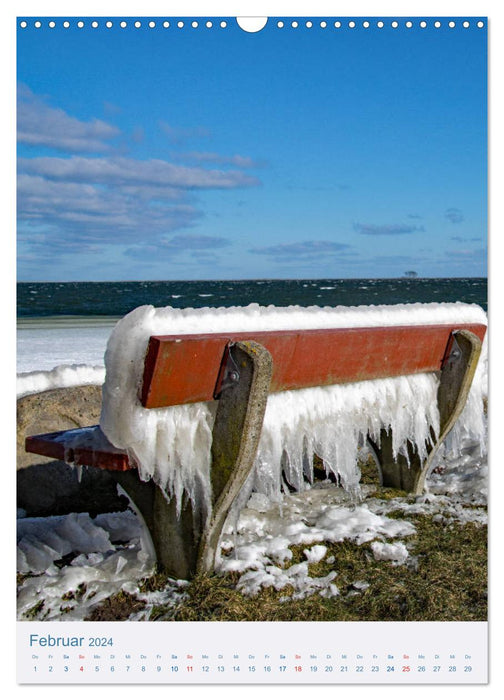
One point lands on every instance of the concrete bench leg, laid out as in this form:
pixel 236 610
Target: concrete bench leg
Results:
pixel 456 378
pixel 185 544
pixel 396 472
pixel 236 434
pixel 175 539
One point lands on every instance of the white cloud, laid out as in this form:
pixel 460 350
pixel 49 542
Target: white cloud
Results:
pixel 237 160
pixel 180 134
pixel 454 215
pixel 39 124
pixel 88 212
pixel 387 229
pixel 129 171
pixel 303 250
pixel 90 197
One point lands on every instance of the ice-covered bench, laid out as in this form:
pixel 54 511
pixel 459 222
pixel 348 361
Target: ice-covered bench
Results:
pixel 183 425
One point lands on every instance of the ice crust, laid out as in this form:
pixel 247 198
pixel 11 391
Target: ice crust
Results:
pixel 395 552
pixel 172 445
pixel 258 549
pixel 59 377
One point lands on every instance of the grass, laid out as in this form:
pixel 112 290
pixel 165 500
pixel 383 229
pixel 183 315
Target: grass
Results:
pixel 444 579
pixel 117 607
pixel 448 583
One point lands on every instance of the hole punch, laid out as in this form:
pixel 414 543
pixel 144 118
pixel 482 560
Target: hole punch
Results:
pixel 252 24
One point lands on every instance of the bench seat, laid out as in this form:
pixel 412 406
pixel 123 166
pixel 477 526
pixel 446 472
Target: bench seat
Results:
pixel 87 447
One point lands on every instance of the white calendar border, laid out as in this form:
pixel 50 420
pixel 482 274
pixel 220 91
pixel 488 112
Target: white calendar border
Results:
pixel 261 8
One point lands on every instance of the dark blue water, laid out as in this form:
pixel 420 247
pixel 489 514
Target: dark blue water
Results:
pixel 43 299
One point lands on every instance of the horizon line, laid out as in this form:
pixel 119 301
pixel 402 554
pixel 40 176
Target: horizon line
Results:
pixel 251 279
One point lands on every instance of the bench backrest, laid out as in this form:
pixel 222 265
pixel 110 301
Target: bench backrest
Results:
pixel 186 368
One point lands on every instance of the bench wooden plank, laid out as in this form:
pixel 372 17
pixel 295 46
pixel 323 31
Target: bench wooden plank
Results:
pixel 81 447
pixel 184 369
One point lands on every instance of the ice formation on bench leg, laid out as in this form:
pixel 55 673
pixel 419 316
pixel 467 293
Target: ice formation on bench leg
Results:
pixel 471 426
pixel 332 421
pixel 172 445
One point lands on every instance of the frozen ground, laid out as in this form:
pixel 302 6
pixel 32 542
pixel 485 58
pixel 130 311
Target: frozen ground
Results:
pixel 74 562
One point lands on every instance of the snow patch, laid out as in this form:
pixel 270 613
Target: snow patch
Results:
pixel 395 552
pixel 60 377
pixel 107 556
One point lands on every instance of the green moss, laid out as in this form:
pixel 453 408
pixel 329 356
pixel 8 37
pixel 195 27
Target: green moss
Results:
pixel 33 612
pixel 77 594
pixel 115 608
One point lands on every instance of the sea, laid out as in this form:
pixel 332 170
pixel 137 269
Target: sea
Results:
pixel 68 323
pixel 99 299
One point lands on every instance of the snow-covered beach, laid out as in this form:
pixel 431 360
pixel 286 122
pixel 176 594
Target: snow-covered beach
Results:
pixel 72 562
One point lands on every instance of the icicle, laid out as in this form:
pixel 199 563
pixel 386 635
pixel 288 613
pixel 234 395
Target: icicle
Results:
pixel 173 445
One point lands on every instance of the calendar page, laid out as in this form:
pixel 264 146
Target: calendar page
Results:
pixel 252 347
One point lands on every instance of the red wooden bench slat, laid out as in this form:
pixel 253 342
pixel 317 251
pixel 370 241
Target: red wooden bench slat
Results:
pixel 80 446
pixel 184 369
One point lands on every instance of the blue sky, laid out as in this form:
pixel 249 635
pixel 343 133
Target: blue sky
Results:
pixel 209 153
